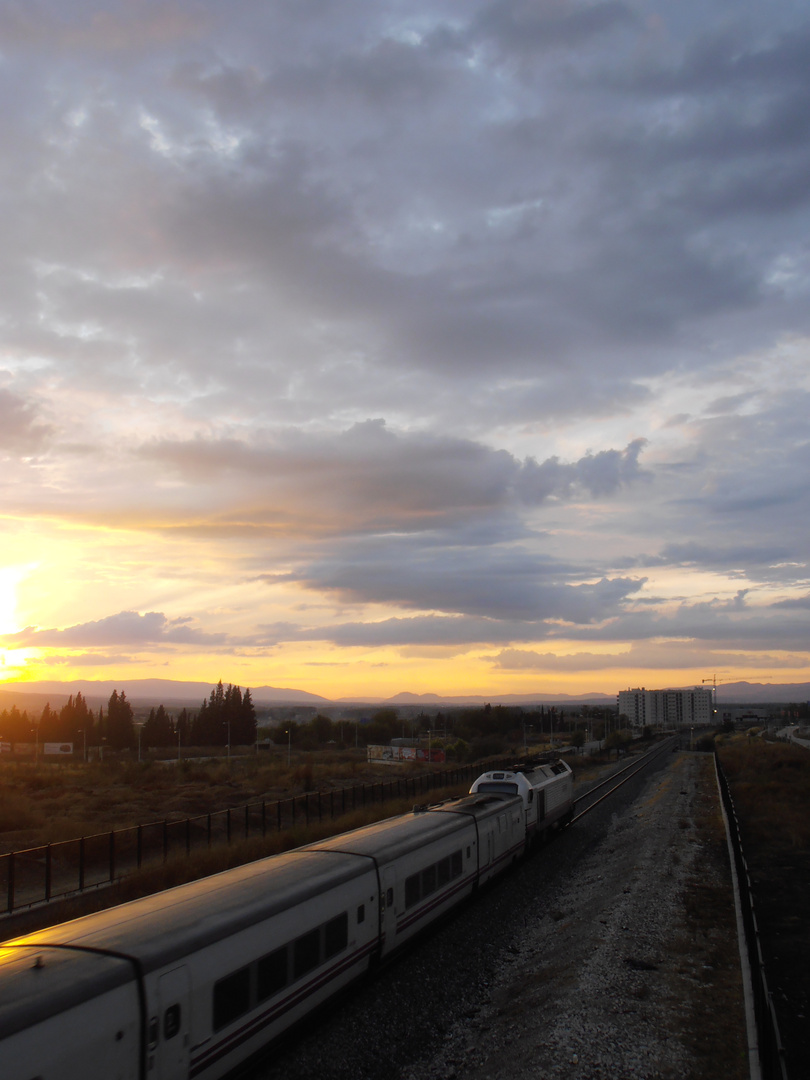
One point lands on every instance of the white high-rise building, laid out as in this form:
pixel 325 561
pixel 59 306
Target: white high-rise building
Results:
pixel 666 709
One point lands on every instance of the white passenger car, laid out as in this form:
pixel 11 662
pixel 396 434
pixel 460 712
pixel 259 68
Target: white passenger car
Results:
pixel 194 981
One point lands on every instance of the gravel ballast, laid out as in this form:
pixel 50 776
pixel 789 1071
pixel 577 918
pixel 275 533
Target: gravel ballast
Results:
pixel 612 953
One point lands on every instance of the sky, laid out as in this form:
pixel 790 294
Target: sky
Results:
pixel 365 346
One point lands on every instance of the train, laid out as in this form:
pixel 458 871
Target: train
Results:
pixel 196 981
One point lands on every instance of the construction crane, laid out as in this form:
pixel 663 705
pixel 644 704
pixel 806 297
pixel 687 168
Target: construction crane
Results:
pixel 714 681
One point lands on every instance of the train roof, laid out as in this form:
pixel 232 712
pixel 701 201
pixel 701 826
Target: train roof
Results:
pixel 37 983
pixel 171 924
pixel 388 840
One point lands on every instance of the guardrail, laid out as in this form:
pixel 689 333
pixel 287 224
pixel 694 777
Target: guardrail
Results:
pixel 49 871
pixel 771 1051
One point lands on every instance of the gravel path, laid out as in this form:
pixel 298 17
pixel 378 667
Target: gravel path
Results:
pixel 602 957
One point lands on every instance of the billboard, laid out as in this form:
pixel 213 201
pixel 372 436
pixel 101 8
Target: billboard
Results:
pixel 58 748
pixel 395 755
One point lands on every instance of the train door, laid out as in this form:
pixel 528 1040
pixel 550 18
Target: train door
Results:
pixel 388 908
pixel 174 1025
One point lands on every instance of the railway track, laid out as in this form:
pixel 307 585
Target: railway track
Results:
pixel 585 803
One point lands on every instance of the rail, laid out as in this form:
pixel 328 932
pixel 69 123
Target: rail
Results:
pixel 52 871
pixel 618 779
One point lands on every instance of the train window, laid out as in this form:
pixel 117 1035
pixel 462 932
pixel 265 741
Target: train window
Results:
pixel 455 864
pixel 468 852
pixel 171 1021
pixel 428 880
pixel 154 1032
pixel 443 871
pixel 413 893
pixel 361 913
pixel 231 998
pixel 306 953
pixel 336 935
pixel 272 973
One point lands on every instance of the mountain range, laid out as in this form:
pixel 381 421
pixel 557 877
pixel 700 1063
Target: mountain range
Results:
pixel 190 694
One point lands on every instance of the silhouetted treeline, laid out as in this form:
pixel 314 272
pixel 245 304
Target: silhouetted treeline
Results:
pixel 76 722
pixel 227 716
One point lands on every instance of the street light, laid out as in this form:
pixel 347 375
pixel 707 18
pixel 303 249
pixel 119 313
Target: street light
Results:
pixel 288 733
pixel 228 726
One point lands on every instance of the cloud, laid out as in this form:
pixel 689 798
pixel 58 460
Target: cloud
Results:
pixel 125 628
pixel 370 478
pixel 21 432
pixel 673 655
pixel 463 317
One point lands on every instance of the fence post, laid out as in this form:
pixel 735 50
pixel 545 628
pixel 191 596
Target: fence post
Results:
pixel 165 839
pixel 112 855
pixel 10 904
pixel 81 864
pixel 139 846
pixel 209 830
pixel 228 820
pixel 264 818
pixel 278 814
pixel 48 871
pixel 331 804
pixel 292 800
pixel 188 836
pixel 320 811
pixel 247 820
pixel 306 807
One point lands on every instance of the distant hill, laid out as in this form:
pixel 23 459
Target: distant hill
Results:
pixel 34 695
pixel 745 693
pixel 140 691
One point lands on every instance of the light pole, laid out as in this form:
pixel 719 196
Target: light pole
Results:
pixel 228 726
pixel 288 733
pixel 140 729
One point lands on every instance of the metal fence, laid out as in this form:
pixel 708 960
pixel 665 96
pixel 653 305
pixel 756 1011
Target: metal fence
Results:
pixel 40 874
pixel 771 1051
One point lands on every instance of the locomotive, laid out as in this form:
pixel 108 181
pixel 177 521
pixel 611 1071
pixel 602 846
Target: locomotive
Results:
pixel 197 980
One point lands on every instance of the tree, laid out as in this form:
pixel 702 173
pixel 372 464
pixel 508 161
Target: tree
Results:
pixel 157 731
pixel 225 712
pixel 120 729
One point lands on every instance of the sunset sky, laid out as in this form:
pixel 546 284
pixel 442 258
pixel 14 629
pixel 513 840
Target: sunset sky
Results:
pixel 371 346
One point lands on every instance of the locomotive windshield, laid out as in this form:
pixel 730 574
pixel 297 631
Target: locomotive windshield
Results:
pixel 502 786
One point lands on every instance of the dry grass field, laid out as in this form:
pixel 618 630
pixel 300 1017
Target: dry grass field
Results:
pixel 59 801
pixel 770 785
